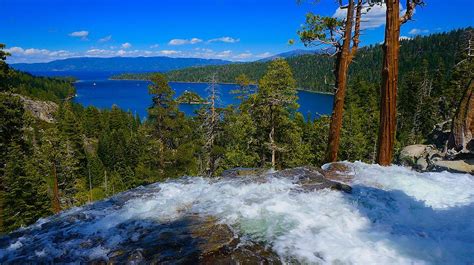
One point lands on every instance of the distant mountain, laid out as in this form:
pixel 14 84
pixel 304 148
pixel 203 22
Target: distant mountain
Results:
pixel 290 54
pixel 118 64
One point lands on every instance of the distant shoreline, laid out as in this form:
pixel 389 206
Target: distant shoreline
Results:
pixel 223 83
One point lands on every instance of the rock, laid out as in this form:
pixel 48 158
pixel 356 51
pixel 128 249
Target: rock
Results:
pixel 42 110
pixel 242 171
pixel 410 154
pixel 309 178
pixel 338 171
pixel 440 134
pixel 455 166
pixel 421 164
pixel 192 240
pixel 312 178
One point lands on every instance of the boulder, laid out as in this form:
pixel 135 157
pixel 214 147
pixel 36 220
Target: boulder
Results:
pixel 418 156
pixel 421 164
pixel 455 166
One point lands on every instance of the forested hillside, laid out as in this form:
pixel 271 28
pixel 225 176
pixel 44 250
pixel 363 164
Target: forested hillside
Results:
pixel 436 52
pixel 117 64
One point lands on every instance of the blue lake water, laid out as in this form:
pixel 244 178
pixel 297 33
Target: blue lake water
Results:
pixel 94 89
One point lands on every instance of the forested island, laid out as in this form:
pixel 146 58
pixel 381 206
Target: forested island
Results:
pixel 190 97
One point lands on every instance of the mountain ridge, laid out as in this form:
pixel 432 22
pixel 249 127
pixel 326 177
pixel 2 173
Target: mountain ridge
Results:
pixel 157 63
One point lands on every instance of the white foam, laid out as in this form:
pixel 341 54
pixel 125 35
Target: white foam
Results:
pixel 393 216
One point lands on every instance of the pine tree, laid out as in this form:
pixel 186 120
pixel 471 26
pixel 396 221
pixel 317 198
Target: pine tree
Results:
pixel 4 69
pixel 344 37
pixel 24 198
pixel 274 102
pixel 388 103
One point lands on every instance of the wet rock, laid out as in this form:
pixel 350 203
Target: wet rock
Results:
pixel 242 171
pixel 312 178
pixel 192 240
pixel 339 172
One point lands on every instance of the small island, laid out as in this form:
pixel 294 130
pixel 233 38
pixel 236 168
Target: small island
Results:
pixel 190 97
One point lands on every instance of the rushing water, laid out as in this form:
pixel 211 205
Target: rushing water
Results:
pixel 94 89
pixel 393 216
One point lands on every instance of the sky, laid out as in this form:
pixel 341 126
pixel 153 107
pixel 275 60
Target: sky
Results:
pixel 236 30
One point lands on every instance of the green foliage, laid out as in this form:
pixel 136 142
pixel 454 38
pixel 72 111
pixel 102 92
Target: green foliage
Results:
pixel 319 29
pixel 190 97
pixel 314 72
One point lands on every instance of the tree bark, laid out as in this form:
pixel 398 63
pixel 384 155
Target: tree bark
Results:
pixel 272 139
pixel 343 60
pixel 388 100
pixel 462 132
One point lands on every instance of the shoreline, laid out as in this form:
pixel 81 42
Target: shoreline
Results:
pixel 223 83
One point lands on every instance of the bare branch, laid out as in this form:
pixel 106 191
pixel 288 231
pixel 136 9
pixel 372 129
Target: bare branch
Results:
pixel 411 5
pixel 355 38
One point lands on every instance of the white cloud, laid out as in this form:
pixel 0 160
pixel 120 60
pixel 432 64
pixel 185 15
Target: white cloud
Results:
pixel 263 55
pixel 154 46
pixel 416 31
pixel 243 56
pixel 100 52
pixel 224 39
pixel 176 42
pixel 169 52
pixel 106 38
pixel 31 55
pixel 126 45
pixel 184 41
pixel 34 55
pixel 372 17
pixel 223 54
pixel 405 38
pixel 83 34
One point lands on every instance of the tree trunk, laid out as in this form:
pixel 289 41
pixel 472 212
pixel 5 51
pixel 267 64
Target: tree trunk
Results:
pixel 56 202
pixel 272 140
pixel 342 65
pixel 462 132
pixel 388 99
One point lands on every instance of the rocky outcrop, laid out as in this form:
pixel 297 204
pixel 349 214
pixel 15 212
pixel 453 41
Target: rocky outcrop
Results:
pixel 429 158
pixel 308 178
pixel 42 110
pixel 452 142
pixel 455 166
pixel 419 156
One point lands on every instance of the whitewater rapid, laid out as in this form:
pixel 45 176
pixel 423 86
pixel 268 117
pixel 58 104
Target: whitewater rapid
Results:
pixel 393 216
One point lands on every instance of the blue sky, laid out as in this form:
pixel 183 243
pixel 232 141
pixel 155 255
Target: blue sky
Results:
pixel 238 30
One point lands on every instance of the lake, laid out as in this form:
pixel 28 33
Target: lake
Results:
pixel 94 89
